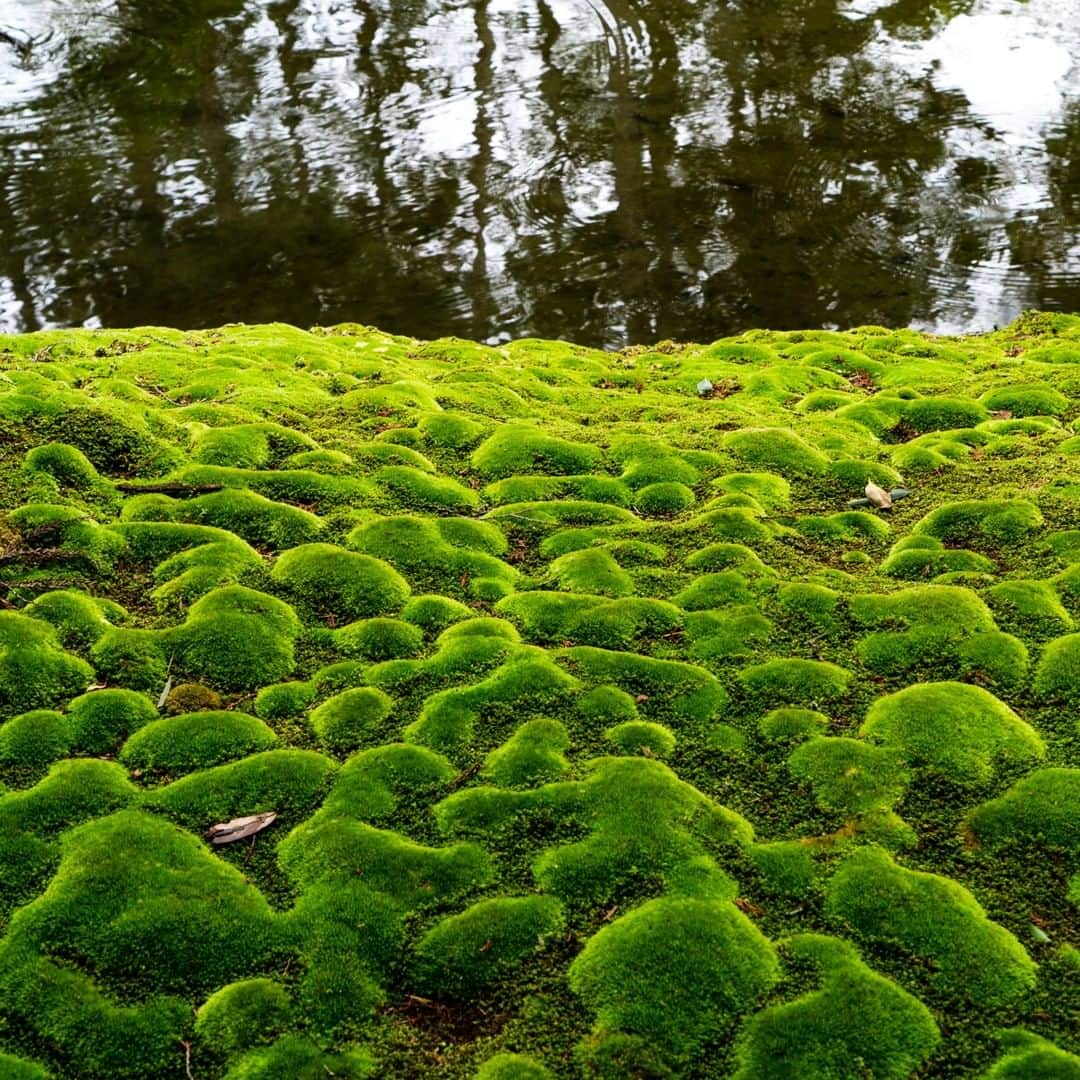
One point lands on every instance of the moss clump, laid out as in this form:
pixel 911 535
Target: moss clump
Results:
pixel 288 781
pixel 1032 608
pixel 776 450
pixel 1043 808
pixel 664 499
pixel 379 639
pixel 943 413
pixel 35 673
pixel 67 465
pixel 294 1057
pixel 962 731
pixel 79 620
pixel 195 740
pixel 674 970
pixel 606 705
pixel 934 918
pixel 283 700
pixel 346 721
pixel 252 517
pixel 101 720
pixel 714 591
pixel 592 571
pixel 513 1067
pixel 243 1015
pixel 191 697
pixel 518 449
pixel 857 1024
pixel 793 681
pixel 1057 677
pixel 981 522
pixel 451 430
pixel 35 739
pixel 236 639
pixel 14 1068
pixel 792 723
pixel 848 775
pixel 414 489
pixel 1030 1057
pixel 433 613
pixel 641 737
pixel 329 578
pixel 532 755
pixel 1030 399
pixel 463 954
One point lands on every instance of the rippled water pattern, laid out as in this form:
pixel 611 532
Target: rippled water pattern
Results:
pixel 607 171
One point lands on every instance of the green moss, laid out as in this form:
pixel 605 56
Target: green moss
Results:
pixel 191 697
pixel 14 1068
pixel 775 450
pixel 1029 1057
pixel 195 740
pixel 591 571
pixel 252 517
pixel 850 776
pixel 793 681
pixel 67 465
pixel 667 691
pixel 329 578
pixel 996 660
pixel 1043 808
pixel 415 489
pixel 1029 399
pixel 714 591
pixel 294 1057
pixel 933 918
pixel 236 638
pixel 35 739
pixel 786 867
pixel 664 499
pixel 79 620
pixel 100 721
pixel 673 970
pixel 813 604
pixel 513 1067
pixel 985 522
pixel 1032 607
pixel 433 613
pixel 346 721
pixel 34 671
pixel 606 705
pixel 943 413
pixel 451 430
pixel 517 449
pixel 131 658
pixel 641 737
pixel 716 557
pixel 847 526
pixel 857 1024
pixel 284 700
pixel 243 1015
pixel 792 723
pixel 287 781
pixel 962 731
pixel 463 954
pixel 1057 676
pixel 768 489
pixel 532 755
pixel 448 718
pixel 379 639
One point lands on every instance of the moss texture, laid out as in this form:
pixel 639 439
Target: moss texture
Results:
pixel 607 734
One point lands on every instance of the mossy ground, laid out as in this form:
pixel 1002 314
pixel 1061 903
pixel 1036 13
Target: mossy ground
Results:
pixel 605 739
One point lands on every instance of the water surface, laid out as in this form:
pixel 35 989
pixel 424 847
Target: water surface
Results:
pixel 601 170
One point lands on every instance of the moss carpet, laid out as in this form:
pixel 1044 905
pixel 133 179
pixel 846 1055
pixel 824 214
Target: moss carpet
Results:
pixel 605 738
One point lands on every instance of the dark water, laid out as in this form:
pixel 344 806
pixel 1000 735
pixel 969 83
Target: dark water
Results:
pixel 602 170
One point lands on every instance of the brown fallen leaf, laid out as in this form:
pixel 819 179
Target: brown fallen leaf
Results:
pixel 240 828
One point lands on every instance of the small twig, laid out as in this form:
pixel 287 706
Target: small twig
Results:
pixel 251 849
pixel 174 487
pixel 187 1058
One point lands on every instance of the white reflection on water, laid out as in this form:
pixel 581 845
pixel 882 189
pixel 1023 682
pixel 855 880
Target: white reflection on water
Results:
pixel 572 160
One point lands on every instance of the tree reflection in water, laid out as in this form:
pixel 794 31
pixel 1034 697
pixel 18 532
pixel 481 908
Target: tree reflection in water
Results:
pixel 608 170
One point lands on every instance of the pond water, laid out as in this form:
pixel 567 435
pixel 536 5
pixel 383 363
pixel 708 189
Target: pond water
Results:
pixel 608 171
